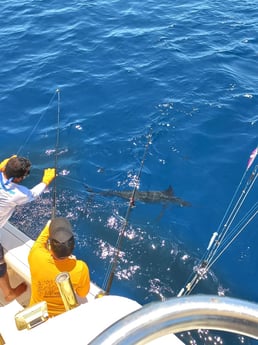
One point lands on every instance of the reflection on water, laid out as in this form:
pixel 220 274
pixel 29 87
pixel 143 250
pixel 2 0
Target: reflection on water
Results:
pixel 150 267
pixel 207 337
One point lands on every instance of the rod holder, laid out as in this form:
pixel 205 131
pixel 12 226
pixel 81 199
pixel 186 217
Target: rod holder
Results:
pixel 66 290
pixel 31 316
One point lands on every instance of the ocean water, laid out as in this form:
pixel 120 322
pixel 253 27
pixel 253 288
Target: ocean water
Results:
pixel 101 76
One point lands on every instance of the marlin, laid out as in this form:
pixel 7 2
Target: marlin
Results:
pixel 165 197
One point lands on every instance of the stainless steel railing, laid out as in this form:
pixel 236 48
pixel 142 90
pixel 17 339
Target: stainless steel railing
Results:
pixel 183 314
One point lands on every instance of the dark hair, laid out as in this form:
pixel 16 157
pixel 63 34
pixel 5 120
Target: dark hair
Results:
pixel 62 250
pixel 17 167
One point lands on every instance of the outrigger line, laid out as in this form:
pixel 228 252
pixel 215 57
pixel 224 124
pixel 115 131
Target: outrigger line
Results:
pixel 111 272
pixel 56 153
pixel 226 233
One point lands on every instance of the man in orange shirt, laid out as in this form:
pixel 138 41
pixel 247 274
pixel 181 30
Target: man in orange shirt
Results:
pixel 50 255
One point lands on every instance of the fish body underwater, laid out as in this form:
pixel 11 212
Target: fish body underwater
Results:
pixel 164 197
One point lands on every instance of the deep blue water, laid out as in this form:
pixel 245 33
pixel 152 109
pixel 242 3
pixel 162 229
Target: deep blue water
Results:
pixel 186 70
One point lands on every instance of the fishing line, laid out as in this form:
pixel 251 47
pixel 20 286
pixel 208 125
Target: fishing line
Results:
pixel 224 236
pixel 36 125
pixel 245 219
pixel 56 144
pixel 236 207
pixel 233 214
pixel 56 153
pixel 249 217
pixel 111 271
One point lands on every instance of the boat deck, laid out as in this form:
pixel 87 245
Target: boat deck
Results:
pixel 17 246
pixel 15 280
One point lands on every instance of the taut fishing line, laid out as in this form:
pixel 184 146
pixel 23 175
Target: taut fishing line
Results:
pixel 56 144
pixel 226 233
pixel 36 125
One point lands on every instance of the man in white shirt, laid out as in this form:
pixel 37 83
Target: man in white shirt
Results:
pixel 12 172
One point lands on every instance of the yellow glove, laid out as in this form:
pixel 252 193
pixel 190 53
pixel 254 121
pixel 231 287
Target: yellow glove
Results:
pixel 49 175
pixel 4 162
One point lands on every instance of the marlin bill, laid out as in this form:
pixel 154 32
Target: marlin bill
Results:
pixel 164 197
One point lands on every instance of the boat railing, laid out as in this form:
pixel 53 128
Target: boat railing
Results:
pixel 180 314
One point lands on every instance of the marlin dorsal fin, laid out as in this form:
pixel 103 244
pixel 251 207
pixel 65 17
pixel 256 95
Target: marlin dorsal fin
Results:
pixel 169 190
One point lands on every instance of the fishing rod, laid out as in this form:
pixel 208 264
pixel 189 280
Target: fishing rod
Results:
pixel 225 235
pixel 111 272
pixel 56 153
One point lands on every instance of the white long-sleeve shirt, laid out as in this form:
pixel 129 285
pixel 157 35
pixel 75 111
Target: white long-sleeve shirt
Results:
pixel 13 194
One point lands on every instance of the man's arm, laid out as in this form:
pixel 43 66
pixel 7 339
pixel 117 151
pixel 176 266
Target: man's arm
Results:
pixel 42 239
pixel 84 285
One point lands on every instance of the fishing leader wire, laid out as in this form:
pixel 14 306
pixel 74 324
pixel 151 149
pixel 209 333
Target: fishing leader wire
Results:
pixel 36 125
